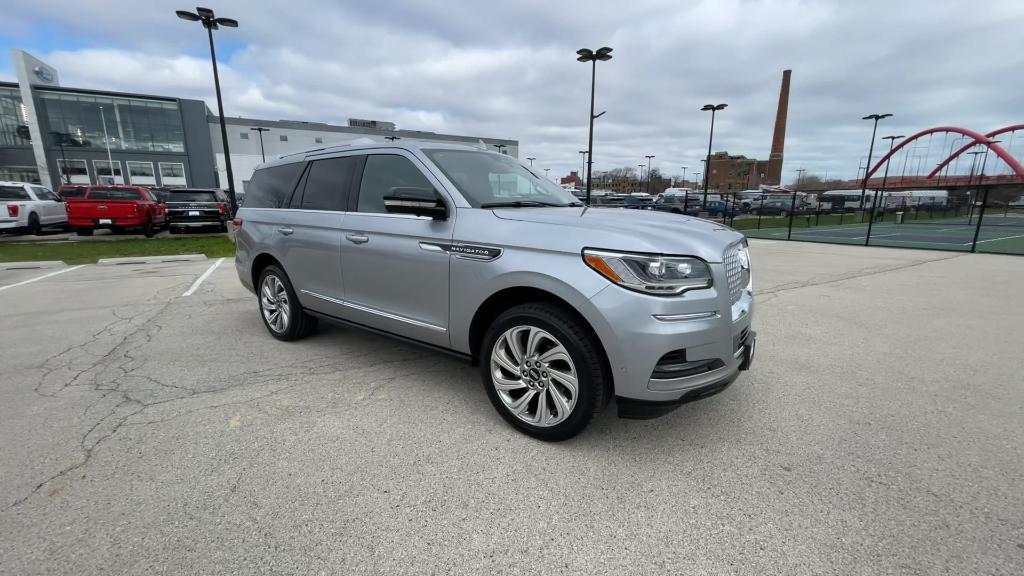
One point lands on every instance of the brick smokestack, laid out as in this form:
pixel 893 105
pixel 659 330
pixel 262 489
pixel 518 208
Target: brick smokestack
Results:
pixel 774 175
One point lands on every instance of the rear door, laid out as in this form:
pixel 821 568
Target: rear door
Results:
pixel 396 272
pixel 311 239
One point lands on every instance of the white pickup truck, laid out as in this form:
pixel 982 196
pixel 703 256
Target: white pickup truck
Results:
pixel 29 208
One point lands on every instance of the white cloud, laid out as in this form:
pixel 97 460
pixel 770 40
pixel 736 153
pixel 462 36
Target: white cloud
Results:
pixel 508 69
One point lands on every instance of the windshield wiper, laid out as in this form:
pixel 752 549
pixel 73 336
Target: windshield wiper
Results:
pixel 523 204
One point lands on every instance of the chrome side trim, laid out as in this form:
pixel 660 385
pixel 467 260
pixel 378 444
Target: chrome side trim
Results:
pixel 686 317
pixel 375 311
pixel 431 247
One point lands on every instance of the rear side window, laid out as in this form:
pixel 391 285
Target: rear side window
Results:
pixel 115 194
pixel 43 193
pixel 328 184
pixel 269 187
pixel 72 192
pixel 13 193
pixel 384 173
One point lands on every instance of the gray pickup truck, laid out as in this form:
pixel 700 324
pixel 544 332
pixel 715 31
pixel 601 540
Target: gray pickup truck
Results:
pixel 564 307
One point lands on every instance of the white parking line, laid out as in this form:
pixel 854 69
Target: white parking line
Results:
pixel 31 280
pixel 204 276
pixel 979 241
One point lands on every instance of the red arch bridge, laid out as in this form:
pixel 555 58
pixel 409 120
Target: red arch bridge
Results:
pixel 951 157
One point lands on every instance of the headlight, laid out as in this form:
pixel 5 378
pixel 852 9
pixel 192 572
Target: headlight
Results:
pixel 662 275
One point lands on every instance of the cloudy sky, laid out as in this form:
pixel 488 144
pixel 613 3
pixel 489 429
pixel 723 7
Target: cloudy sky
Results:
pixel 508 69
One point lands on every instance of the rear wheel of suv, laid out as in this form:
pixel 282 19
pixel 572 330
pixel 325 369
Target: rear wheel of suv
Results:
pixel 83 231
pixel 543 371
pixel 279 307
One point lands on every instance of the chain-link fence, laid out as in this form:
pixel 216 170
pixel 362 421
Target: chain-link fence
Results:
pixel 965 222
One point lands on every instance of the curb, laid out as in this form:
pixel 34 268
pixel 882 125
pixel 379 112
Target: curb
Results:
pixel 41 264
pixel 151 259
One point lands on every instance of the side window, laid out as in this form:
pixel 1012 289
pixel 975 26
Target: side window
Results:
pixel 382 174
pixel 328 183
pixel 270 186
pixel 43 193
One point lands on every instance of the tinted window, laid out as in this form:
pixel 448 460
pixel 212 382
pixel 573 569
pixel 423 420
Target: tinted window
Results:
pixel 485 177
pixel 43 193
pixel 115 194
pixel 384 173
pixel 270 186
pixel 327 184
pixel 13 193
pixel 72 191
pixel 191 197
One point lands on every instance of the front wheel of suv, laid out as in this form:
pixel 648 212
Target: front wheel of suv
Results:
pixel 543 371
pixel 279 307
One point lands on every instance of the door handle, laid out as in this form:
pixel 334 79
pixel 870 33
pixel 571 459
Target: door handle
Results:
pixel 287 231
pixel 357 238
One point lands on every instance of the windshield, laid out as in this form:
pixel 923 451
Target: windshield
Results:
pixel 485 178
pixel 191 197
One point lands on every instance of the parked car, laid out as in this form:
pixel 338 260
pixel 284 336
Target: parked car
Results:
pixel 562 306
pixel 607 201
pixel 196 208
pixel 29 208
pixel 117 208
pixel 773 208
pixel 716 208
pixel 638 202
pixel 678 204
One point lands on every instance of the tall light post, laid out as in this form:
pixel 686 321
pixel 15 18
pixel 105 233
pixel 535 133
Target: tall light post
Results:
pixel 649 156
pixel 206 17
pixel 892 140
pixel 684 176
pixel 583 166
pixel 640 184
pixel 59 137
pixel 707 163
pixel 531 159
pixel 587 55
pixel 696 177
pixel 500 147
pixel 261 130
pixel 799 177
pixel 867 165
pixel 546 170
pixel 392 138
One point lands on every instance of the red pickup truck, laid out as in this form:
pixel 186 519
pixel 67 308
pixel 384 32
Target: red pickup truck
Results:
pixel 117 208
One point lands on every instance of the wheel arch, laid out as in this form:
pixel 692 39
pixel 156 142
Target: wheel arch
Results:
pixel 509 297
pixel 259 263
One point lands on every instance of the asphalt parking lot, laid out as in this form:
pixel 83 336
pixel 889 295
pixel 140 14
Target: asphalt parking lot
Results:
pixel 149 432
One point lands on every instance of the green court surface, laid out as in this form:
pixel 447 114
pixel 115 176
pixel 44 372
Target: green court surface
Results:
pixel 999 233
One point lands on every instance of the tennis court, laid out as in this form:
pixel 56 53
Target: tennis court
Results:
pixel 1000 232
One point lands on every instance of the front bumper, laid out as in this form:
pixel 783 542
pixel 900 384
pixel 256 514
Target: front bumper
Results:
pixel 638 330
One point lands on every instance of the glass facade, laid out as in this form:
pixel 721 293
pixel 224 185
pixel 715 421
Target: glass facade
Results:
pixel 133 124
pixel 13 119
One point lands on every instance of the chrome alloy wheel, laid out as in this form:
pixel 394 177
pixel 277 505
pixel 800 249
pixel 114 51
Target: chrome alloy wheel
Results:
pixel 534 376
pixel 274 303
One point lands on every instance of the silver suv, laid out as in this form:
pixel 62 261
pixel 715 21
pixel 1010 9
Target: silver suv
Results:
pixel 470 252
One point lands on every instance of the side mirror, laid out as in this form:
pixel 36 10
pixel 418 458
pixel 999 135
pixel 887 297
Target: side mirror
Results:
pixel 415 201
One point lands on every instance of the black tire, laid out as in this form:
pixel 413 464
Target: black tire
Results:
pixel 147 229
pixel 300 324
pixel 783 213
pixel 593 383
pixel 83 231
pixel 223 227
pixel 34 227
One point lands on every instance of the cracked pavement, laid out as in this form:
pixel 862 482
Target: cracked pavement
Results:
pixel 149 433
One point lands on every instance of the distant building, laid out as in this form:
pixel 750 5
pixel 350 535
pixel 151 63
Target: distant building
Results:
pixel 573 178
pixel 734 173
pixel 51 134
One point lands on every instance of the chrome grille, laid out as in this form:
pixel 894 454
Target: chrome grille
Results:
pixel 733 272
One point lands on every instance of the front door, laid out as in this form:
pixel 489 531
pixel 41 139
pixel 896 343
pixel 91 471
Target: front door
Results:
pixel 396 277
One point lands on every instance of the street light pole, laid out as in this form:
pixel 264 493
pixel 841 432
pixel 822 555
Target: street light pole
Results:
pixel 684 176
pixel 583 167
pixel 531 159
pixel 587 55
pixel 261 130
pixel 546 170
pixel 707 164
pixel 58 137
pixel 392 138
pixel 649 156
pixel 500 147
pixel 867 168
pixel 640 184
pixel 211 23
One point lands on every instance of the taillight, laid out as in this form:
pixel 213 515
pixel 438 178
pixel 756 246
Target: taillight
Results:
pixel 135 208
pixel 12 210
pixel 221 208
pixel 237 222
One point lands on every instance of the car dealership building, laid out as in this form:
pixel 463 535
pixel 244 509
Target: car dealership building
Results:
pixel 51 134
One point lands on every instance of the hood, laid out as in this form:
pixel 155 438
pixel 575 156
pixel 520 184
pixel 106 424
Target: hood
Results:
pixel 633 230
